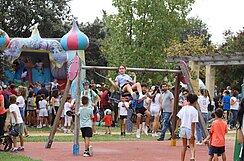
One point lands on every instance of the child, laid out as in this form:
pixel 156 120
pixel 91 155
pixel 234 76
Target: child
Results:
pixel 43 111
pixel 126 83
pixel 123 106
pixel 67 119
pixel 140 111
pixel 86 116
pixel 217 137
pixel 16 119
pixel 188 117
pixel 108 121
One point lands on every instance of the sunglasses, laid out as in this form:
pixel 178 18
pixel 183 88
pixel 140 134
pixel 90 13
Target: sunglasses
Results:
pixel 185 93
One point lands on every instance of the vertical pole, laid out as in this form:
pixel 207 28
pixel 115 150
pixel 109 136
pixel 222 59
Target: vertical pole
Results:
pixel 76 146
pixel 57 118
pixel 176 102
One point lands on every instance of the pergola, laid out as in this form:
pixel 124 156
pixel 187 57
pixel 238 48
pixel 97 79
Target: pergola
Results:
pixel 210 61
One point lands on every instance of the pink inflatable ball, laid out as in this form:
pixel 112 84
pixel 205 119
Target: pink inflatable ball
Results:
pixel 74 39
pixel 4 39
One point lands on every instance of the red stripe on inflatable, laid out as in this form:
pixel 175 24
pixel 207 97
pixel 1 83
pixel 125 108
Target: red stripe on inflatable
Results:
pixel 72 40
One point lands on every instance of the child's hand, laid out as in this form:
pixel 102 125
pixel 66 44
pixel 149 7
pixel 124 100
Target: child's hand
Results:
pixel 205 141
pixel 176 131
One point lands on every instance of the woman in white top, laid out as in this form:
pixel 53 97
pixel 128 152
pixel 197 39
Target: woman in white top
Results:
pixel 234 106
pixel 156 108
pixel 203 101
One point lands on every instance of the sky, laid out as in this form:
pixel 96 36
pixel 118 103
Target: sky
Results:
pixel 219 15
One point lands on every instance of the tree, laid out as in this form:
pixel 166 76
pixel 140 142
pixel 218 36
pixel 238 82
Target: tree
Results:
pixel 17 17
pixel 140 32
pixel 95 31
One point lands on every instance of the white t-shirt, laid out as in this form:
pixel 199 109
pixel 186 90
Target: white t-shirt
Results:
pixel 188 115
pixel 21 101
pixel 12 108
pixel 236 105
pixel 67 107
pixel 123 111
pixel 155 105
pixel 42 104
pixel 203 103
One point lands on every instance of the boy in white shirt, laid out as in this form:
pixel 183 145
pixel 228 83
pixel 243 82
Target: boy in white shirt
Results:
pixel 17 121
pixel 123 106
pixel 67 119
pixel 43 114
pixel 188 117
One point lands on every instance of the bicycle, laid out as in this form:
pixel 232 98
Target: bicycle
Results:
pixel 6 139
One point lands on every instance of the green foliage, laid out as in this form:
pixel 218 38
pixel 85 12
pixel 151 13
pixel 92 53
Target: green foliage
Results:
pixel 192 46
pixel 14 157
pixel 140 32
pixel 17 17
pixel 95 31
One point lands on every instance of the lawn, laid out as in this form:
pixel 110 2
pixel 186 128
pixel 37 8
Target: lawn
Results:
pixel 7 156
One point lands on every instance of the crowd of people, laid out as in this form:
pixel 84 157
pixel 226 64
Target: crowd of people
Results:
pixel 37 105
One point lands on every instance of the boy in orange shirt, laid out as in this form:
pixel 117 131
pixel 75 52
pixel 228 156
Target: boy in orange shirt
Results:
pixel 217 136
pixel 108 122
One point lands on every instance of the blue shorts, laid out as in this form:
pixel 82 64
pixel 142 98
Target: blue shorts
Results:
pixel 216 150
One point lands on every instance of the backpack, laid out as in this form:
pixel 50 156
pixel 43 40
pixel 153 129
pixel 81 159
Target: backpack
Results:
pixel 6 100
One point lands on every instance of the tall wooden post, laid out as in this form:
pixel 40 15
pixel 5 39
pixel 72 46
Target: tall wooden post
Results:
pixel 195 67
pixel 210 80
pixel 176 102
pixel 76 146
pixel 58 115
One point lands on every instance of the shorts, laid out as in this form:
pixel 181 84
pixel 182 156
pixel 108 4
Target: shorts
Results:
pixel 95 118
pixel 211 151
pixel 86 132
pixel 122 117
pixel 43 112
pixel 185 133
pixel 218 150
pixel 19 128
pixel 154 111
pixel 141 110
pixel 30 108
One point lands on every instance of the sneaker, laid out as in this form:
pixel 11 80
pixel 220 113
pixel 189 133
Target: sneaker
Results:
pixel 160 139
pixel 21 148
pixel 39 126
pixel 65 131
pixel 145 130
pixel 90 151
pixel 27 135
pixel 86 154
pixel 199 143
pixel 13 150
pixel 138 133
pixel 133 95
pixel 68 131
pixel 142 96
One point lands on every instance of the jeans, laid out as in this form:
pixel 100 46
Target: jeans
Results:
pixel 22 112
pixel 233 119
pixel 199 131
pixel 2 122
pixel 166 124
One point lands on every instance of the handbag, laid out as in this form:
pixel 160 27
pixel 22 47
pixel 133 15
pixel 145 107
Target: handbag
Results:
pixel 240 137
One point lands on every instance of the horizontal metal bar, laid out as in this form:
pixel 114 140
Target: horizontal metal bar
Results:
pixel 131 69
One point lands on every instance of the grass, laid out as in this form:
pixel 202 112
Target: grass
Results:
pixel 7 156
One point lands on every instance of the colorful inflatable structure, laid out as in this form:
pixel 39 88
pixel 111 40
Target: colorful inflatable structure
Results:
pixel 37 59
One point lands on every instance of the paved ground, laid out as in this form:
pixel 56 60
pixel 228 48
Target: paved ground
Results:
pixel 114 151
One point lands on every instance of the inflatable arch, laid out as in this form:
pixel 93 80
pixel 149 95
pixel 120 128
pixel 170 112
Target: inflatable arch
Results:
pixel 26 51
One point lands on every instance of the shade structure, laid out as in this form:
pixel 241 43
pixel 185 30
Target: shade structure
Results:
pixel 4 39
pixel 74 39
